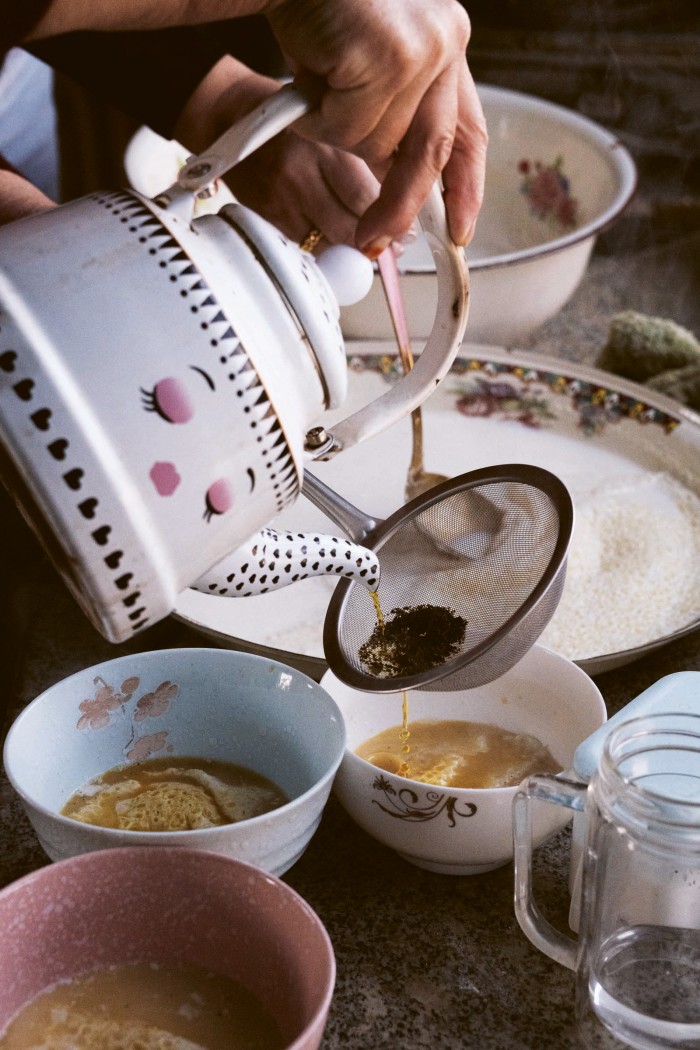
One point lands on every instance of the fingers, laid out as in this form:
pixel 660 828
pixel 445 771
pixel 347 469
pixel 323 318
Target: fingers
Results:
pixel 447 137
pixel 414 168
pixel 399 95
pixel 18 197
pixel 350 189
pixel 464 174
pixel 298 185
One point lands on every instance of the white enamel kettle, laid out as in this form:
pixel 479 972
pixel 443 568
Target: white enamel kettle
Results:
pixel 162 382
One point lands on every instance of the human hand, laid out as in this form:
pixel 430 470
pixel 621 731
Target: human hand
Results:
pixel 19 198
pixel 301 186
pixel 295 183
pixel 397 93
pixel 396 90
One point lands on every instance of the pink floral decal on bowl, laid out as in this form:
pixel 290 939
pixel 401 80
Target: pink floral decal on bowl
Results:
pixel 527 395
pixel 151 705
pixel 97 709
pixel 548 192
pixel 97 713
pixel 147 745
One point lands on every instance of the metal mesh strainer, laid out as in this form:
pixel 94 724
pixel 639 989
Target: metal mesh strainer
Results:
pixel 490 545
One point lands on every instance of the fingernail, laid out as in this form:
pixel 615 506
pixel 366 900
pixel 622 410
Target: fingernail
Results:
pixel 468 234
pixel 408 237
pixel 375 248
pixel 400 244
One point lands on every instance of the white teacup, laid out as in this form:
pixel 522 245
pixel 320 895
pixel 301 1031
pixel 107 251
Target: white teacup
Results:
pixel 463 831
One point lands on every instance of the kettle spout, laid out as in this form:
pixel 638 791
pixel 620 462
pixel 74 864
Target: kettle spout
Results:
pixel 271 560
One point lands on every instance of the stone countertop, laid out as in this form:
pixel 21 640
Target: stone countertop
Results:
pixel 425 961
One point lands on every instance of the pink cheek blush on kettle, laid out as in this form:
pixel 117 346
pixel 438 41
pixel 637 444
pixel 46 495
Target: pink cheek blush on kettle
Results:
pixel 163 381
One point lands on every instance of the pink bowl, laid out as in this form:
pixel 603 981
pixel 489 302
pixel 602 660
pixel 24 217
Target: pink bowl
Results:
pixel 164 904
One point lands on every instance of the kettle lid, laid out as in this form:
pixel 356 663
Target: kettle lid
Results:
pixel 305 291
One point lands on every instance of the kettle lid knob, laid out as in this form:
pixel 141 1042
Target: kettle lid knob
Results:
pixel 348 272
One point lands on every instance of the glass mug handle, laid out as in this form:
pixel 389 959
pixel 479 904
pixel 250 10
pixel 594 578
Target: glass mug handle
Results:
pixel 560 792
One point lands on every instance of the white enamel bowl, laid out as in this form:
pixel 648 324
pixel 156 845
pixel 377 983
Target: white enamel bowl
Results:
pixel 463 831
pixel 554 180
pixel 210 703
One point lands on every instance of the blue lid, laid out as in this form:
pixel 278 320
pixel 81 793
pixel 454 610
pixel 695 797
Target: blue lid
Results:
pixel 677 693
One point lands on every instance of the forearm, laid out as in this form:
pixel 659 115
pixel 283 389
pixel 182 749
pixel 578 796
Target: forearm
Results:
pixel 18 197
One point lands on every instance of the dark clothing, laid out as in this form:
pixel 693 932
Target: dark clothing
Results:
pixel 147 75
pixel 17 18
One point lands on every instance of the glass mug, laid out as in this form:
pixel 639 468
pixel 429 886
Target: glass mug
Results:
pixel 638 954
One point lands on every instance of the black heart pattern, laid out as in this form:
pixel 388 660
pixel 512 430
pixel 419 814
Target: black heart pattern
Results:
pixel 24 389
pixel 41 418
pixel 112 560
pixel 58 448
pixel 101 535
pixel 123 581
pixel 131 599
pixel 88 507
pixel 73 478
pixel 7 361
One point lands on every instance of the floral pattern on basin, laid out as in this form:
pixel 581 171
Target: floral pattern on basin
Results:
pixel 511 392
pixel 547 191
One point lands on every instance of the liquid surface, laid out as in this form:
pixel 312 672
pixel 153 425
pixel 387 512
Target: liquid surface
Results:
pixel 644 986
pixel 458 754
pixel 144 1007
pixel 173 794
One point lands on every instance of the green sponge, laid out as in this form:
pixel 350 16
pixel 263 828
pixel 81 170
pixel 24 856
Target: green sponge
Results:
pixel 681 383
pixel 639 347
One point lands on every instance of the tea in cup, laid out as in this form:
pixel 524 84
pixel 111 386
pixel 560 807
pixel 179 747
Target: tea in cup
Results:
pixel 449 829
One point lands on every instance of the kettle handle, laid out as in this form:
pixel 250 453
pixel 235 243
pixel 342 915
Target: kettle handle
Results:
pixel 433 363
pixel 271 116
pixel 263 123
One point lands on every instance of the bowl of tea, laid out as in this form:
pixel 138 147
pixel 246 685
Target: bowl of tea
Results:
pixel 433 774
pixel 155 948
pixel 204 748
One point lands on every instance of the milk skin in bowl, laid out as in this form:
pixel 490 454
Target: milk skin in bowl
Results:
pixel 173 794
pixel 457 754
pixel 144 1006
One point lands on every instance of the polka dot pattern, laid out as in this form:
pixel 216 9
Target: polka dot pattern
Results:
pixel 275 559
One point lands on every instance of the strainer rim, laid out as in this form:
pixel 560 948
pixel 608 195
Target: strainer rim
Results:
pixel 523 473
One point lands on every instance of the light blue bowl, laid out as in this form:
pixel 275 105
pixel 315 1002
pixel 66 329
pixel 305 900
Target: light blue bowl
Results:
pixel 211 703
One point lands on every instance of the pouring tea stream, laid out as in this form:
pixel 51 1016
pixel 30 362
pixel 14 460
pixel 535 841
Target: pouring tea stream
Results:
pixel 163 380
